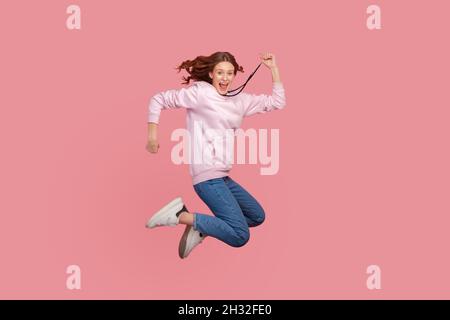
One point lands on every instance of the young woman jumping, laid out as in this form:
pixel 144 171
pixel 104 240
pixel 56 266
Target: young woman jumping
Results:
pixel 212 108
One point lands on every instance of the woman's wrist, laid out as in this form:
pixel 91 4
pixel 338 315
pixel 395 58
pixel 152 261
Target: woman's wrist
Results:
pixel 275 74
pixel 152 131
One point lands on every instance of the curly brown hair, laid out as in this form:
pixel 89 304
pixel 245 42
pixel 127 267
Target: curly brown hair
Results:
pixel 200 67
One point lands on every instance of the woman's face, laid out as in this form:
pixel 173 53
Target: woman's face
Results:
pixel 222 76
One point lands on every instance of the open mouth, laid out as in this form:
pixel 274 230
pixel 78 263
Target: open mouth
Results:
pixel 223 86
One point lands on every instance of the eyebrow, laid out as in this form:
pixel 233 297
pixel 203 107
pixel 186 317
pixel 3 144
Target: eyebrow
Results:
pixel 227 70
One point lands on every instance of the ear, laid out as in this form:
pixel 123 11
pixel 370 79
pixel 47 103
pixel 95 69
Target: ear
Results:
pixel 210 75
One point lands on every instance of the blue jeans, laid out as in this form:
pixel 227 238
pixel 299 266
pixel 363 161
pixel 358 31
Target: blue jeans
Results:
pixel 234 209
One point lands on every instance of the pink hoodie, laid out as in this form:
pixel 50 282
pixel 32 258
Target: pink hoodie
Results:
pixel 211 117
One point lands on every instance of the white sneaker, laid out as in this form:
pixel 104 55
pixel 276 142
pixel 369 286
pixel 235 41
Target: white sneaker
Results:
pixel 168 215
pixel 189 240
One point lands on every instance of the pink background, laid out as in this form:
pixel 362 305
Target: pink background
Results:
pixel 363 179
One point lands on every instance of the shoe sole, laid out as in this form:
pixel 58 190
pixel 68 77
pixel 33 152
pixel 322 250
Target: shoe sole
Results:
pixel 175 202
pixel 183 242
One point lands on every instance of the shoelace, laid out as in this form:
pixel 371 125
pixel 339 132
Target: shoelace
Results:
pixel 241 87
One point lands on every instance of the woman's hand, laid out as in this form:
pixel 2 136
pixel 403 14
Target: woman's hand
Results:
pixel 152 146
pixel 268 59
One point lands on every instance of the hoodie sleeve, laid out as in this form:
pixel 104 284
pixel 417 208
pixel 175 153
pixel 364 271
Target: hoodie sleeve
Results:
pixel 172 99
pixel 264 103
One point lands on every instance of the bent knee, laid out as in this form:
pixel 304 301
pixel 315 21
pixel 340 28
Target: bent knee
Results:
pixel 259 218
pixel 241 239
